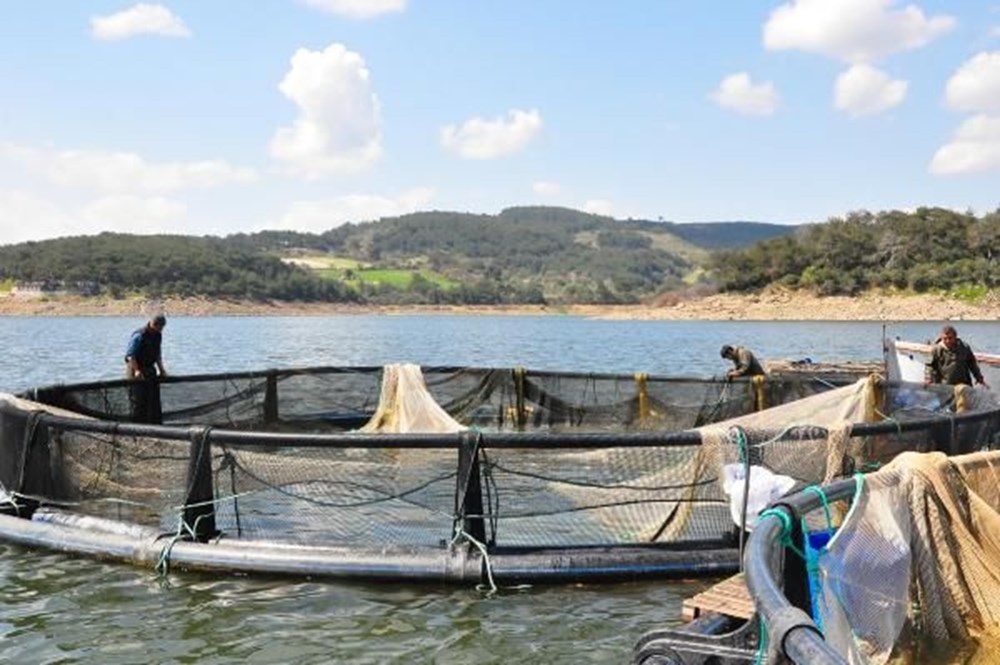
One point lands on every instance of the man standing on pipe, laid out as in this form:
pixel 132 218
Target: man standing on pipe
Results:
pixel 144 364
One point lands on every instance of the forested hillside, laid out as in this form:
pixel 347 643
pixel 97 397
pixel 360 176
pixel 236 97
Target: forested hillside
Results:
pixel 527 255
pixel 930 249
pixel 726 235
pixel 523 255
pixel 117 264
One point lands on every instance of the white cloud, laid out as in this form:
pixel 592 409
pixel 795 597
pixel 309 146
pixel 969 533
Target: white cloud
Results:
pixel 477 138
pixel 976 84
pixel 132 214
pixel 120 171
pixel 599 207
pixel 357 8
pixel 338 129
pixel 852 30
pixel 141 19
pixel 24 217
pixel 865 90
pixel 545 188
pixel 739 93
pixel 974 148
pixel 319 216
pixel 33 216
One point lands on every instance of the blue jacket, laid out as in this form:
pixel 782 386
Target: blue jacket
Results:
pixel 144 347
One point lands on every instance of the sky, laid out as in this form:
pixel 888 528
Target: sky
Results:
pixel 212 117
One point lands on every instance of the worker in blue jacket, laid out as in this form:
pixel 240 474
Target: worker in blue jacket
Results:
pixel 143 365
pixel 143 357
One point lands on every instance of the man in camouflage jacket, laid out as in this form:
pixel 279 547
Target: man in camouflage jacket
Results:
pixel 952 361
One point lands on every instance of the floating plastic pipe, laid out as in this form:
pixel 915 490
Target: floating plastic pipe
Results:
pixel 144 546
pixel 789 629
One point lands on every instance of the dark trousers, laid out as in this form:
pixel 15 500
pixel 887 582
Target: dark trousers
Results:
pixel 145 397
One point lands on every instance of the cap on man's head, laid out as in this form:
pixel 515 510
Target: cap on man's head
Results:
pixel 159 320
pixel 726 350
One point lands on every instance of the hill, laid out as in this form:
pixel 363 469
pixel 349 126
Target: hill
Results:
pixel 929 250
pixel 727 235
pixel 523 255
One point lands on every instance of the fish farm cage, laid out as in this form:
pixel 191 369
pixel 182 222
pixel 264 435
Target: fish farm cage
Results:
pixel 440 474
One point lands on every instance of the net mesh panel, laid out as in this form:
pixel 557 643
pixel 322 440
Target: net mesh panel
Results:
pixel 532 497
pixel 314 496
pixel 808 439
pixel 920 548
pixel 607 496
pixel 332 399
pixel 355 496
pixel 131 479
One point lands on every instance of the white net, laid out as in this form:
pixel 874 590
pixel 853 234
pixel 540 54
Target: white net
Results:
pixel 405 405
pixel 920 550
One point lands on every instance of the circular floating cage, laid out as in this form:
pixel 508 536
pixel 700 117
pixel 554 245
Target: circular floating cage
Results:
pixel 505 475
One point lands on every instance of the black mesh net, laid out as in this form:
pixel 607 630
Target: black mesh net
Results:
pixel 546 460
pixel 332 399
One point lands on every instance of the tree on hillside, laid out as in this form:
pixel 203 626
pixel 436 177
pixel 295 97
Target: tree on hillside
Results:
pixel 930 248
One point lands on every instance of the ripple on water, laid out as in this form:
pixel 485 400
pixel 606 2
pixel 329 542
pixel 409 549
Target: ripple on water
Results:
pixel 63 609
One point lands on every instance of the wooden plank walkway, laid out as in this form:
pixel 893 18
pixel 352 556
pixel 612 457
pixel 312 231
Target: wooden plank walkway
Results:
pixel 729 597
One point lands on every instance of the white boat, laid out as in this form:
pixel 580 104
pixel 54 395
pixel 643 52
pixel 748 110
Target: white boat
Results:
pixel 906 361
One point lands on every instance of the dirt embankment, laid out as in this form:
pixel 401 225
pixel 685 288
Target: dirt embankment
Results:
pixel 790 306
pixel 780 305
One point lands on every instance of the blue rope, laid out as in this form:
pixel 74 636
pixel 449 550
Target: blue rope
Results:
pixel 786 528
pixel 761 641
pixel 818 491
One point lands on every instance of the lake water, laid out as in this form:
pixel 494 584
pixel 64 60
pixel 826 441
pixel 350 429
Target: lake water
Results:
pixel 60 609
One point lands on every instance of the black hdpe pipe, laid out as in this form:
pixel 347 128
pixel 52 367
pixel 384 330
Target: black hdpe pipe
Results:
pixel 355 440
pixel 148 547
pixel 361 369
pixel 789 629
pixel 497 440
pixel 611 564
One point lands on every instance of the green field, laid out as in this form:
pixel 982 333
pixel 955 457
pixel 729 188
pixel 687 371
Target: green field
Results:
pixel 401 279
pixel 354 272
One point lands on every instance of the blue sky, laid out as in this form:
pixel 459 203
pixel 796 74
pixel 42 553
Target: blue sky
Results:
pixel 221 116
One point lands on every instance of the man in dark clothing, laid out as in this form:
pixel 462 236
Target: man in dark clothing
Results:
pixel 744 362
pixel 144 363
pixel 952 361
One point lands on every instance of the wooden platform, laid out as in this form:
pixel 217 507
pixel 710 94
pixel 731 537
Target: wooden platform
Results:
pixel 729 597
pixel 834 370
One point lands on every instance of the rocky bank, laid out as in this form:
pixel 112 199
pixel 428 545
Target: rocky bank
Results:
pixel 771 306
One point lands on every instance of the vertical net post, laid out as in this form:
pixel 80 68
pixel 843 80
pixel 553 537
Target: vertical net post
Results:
pixel 642 393
pixel 23 461
pixel 271 398
pixel 521 415
pixel 961 403
pixel 199 504
pixel 759 398
pixel 469 491
pixel 873 398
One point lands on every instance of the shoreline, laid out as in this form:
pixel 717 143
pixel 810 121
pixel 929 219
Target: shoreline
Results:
pixel 778 306
pixel 775 306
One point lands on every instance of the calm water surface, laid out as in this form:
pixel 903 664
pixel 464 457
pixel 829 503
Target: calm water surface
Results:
pixel 56 609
